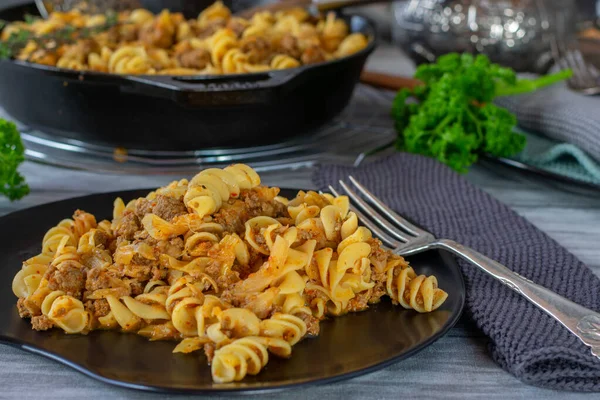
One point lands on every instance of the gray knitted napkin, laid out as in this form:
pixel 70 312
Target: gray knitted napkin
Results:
pixel 523 340
pixel 560 114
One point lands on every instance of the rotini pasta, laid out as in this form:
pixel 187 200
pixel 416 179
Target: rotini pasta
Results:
pixel 218 263
pixel 216 42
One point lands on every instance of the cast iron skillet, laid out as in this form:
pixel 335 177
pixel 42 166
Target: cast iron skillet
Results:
pixel 179 113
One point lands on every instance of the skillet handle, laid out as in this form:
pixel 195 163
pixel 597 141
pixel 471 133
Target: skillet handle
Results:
pixel 215 90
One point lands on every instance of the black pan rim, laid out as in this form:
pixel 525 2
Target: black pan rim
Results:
pixel 74 74
pixel 455 316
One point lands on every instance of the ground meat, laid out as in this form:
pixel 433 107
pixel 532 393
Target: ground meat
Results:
pixel 210 28
pixel 251 203
pixel 209 350
pixel 139 260
pixel 159 273
pixel 260 201
pixel 122 33
pixel 312 324
pixel 236 26
pixel 359 302
pixel 137 272
pixel 82 49
pixel 142 207
pixel 98 308
pixel 378 291
pixel 258 49
pixel 232 217
pixel 256 260
pixel 155 35
pixel 313 55
pixel 88 46
pixel 43 56
pixel 128 225
pixel 225 281
pixel 101 238
pixel 102 278
pixel 67 276
pixel 289 45
pixel 168 207
pixel 41 323
pixel 135 287
pixel 195 58
pixel 378 256
pixel 24 312
pixel 173 247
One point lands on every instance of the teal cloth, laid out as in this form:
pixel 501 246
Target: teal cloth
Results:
pixel 560 158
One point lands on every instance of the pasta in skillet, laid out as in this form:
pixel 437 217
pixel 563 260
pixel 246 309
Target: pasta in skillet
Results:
pixel 218 263
pixel 139 42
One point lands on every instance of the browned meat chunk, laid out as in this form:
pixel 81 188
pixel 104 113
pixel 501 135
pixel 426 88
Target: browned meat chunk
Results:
pixel 359 302
pixel 258 49
pixel 24 312
pixel 313 55
pixel 142 207
pixel 168 207
pixel 210 28
pixel 137 272
pixel 159 273
pixel 41 323
pixel 135 287
pixel 195 58
pixel 128 225
pixel 98 308
pixel 172 247
pixel 259 201
pixel 157 35
pixel 289 45
pixel 82 49
pixel 236 26
pixel 67 276
pixel 122 33
pixel 312 324
pixel 251 203
pixel 209 350
pixel 102 278
pixel 377 292
pixel 101 238
pixel 232 216
pixel 88 46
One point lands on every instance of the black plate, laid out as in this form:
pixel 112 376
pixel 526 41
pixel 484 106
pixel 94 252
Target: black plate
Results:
pixel 348 346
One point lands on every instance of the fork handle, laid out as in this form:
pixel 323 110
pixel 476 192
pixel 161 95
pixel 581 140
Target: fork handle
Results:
pixel 582 322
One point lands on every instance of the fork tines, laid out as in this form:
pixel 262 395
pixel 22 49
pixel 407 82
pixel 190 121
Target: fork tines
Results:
pixel 392 229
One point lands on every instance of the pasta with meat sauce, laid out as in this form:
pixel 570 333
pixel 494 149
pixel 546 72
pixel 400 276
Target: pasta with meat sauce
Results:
pixel 216 42
pixel 218 263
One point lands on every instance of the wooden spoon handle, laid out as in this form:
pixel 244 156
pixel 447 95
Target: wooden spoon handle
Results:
pixel 386 81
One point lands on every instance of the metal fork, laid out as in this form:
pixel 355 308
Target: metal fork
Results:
pixel 405 239
pixel 585 76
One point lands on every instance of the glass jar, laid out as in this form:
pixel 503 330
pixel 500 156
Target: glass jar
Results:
pixel 515 33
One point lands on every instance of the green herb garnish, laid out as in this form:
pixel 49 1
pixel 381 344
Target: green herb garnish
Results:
pixel 50 42
pixel 453 118
pixel 12 153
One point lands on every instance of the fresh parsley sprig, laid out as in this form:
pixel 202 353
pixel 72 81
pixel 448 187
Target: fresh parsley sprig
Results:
pixel 51 41
pixel 451 116
pixel 12 154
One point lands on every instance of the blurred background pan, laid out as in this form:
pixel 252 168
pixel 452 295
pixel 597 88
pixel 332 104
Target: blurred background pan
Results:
pixel 179 113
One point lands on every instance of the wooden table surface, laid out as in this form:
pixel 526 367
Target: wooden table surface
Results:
pixel 457 366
